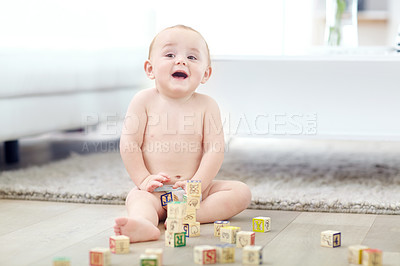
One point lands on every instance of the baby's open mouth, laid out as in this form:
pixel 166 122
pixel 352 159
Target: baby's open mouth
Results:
pixel 180 75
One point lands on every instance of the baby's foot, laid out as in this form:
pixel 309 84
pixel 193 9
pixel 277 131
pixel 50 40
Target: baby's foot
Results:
pixel 137 229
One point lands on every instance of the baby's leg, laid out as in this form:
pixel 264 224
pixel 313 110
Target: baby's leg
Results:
pixel 222 200
pixel 144 213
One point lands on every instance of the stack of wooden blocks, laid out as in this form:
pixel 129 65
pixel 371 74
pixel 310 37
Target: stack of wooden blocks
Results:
pixel 181 220
pixel 193 199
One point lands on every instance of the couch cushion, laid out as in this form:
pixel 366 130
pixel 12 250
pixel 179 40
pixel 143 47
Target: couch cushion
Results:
pixel 27 72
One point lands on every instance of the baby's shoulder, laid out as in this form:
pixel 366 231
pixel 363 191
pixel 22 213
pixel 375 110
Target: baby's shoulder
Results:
pixel 205 100
pixel 144 96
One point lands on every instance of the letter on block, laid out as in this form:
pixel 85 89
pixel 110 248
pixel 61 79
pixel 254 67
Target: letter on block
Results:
pixel 119 244
pixel 165 198
pixel 261 224
pixel 228 234
pixel 330 239
pixel 193 188
pixel 149 260
pixel 252 255
pixel 372 257
pixel 205 254
pixel 245 238
pixel 156 251
pixel 176 209
pixel 225 253
pixel 99 257
pixel 175 239
pixel 192 229
pixel 61 261
pixel 218 225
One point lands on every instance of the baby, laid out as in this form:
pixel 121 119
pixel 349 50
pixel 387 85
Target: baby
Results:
pixel 172 134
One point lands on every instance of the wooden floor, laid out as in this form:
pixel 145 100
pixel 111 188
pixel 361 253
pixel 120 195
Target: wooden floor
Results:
pixel 33 233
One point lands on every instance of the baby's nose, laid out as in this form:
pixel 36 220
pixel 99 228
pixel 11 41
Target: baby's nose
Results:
pixel 180 61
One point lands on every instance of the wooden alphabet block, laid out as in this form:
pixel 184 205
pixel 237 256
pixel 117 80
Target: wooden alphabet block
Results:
pixel 190 217
pixel 228 234
pixel 372 257
pixel 245 238
pixel 99 257
pixel 176 209
pixel 149 260
pixel 252 255
pixel 119 244
pixel 192 229
pixel 61 261
pixel 174 225
pixel 218 225
pixel 156 251
pixel 165 198
pixel 193 188
pixel 205 254
pixel 261 224
pixel 330 239
pixel 193 202
pixel 225 253
pixel 355 254
pixel 175 239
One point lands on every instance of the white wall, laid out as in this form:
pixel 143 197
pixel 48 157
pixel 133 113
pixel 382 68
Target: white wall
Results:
pixel 74 24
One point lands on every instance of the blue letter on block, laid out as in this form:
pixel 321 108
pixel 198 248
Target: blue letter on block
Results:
pixel 336 240
pixel 165 198
pixel 186 229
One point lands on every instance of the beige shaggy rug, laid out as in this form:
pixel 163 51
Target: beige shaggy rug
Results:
pixel 301 175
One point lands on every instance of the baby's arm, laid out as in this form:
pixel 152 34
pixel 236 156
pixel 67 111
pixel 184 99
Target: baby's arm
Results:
pixel 213 145
pixel 131 143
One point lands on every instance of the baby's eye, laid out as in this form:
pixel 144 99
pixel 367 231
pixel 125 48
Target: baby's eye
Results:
pixel 191 57
pixel 170 55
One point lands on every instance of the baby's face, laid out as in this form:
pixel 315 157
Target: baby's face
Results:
pixel 178 62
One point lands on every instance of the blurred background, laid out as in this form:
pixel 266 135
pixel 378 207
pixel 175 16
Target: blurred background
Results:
pixel 253 27
pixel 76 64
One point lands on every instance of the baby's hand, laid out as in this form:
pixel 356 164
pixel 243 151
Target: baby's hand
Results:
pixel 154 181
pixel 181 184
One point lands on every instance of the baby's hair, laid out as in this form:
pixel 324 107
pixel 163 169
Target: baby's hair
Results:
pixel 180 26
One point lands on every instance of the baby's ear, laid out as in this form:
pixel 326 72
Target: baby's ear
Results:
pixel 148 68
pixel 207 75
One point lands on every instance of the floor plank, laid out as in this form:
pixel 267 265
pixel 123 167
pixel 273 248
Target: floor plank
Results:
pixel 33 212
pixel 36 232
pixel 79 251
pixel 384 234
pixel 56 233
pixel 300 241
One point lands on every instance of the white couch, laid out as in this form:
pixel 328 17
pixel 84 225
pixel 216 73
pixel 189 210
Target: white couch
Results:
pixel 48 90
pixel 316 96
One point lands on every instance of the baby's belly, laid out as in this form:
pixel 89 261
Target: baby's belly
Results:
pixel 177 158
